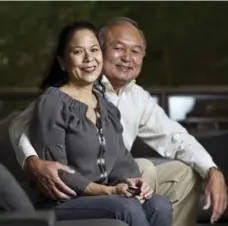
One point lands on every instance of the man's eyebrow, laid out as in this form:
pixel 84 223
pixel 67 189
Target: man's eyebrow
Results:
pixel 139 46
pixel 122 43
pixel 116 42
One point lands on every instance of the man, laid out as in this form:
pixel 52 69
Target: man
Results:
pixel 124 48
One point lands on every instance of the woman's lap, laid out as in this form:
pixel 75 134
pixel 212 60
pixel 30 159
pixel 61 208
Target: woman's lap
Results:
pixel 128 210
pixel 94 207
pixel 158 210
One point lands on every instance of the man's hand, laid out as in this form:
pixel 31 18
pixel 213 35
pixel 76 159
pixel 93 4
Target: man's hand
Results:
pixel 46 173
pixel 216 194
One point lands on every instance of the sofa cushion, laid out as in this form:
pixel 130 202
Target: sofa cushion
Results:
pixel 91 222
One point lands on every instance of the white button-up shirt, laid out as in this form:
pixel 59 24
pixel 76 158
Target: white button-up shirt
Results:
pixel 140 116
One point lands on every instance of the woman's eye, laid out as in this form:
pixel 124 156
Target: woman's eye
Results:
pixel 77 52
pixel 95 50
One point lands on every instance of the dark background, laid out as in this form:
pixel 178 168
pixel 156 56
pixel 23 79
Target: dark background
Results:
pixel 187 41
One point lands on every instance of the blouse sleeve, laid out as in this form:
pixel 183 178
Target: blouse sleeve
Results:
pixel 125 166
pixel 47 134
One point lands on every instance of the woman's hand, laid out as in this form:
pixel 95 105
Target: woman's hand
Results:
pixel 122 190
pixel 146 190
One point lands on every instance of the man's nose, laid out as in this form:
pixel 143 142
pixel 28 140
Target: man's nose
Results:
pixel 127 56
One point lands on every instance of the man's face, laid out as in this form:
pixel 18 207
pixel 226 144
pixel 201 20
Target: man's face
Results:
pixel 123 54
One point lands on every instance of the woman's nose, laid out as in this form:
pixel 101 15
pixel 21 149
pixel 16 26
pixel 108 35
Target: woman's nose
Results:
pixel 88 56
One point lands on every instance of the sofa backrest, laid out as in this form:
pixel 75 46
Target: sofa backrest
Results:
pixel 7 155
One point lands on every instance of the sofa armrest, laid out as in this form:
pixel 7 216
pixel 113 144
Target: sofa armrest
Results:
pixel 36 218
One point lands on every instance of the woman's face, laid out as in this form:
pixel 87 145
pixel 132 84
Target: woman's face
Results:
pixel 83 58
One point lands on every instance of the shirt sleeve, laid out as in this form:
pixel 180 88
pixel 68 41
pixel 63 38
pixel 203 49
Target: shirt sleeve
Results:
pixel 47 134
pixel 18 132
pixel 170 139
pixel 125 166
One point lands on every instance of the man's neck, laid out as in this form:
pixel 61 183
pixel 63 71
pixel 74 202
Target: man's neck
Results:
pixel 117 85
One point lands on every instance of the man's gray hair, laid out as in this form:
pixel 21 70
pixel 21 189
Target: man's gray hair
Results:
pixel 115 22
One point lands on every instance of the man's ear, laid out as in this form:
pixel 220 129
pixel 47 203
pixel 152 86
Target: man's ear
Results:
pixel 61 63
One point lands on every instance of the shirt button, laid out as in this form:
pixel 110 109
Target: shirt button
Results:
pixel 175 137
pixel 123 96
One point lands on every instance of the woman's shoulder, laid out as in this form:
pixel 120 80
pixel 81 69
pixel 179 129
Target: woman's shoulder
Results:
pixel 49 98
pixel 56 95
pixel 53 100
pixel 108 106
pixel 111 112
pixel 53 105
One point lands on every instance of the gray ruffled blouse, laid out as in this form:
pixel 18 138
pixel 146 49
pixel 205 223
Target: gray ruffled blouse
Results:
pixel 60 131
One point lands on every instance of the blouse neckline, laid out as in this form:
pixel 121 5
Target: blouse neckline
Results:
pixel 74 103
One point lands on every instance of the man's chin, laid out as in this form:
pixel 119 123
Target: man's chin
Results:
pixel 122 81
pixel 124 77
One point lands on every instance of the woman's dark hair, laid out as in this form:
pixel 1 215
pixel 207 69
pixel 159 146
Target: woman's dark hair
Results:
pixel 56 76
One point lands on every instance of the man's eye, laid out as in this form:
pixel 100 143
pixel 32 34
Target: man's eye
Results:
pixel 118 48
pixel 135 51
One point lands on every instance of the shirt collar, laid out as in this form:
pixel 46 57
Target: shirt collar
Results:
pixel 109 87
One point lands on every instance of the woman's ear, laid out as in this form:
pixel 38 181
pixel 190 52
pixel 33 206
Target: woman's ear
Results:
pixel 61 64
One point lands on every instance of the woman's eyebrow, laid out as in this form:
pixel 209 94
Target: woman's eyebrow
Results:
pixel 96 45
pixel 75 46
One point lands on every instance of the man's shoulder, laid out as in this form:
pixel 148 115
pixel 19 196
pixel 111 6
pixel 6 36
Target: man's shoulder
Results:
pixel 141 98
pixel 139 91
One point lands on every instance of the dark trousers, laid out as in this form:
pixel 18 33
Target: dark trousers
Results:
pixel 156 211
pixel 12 197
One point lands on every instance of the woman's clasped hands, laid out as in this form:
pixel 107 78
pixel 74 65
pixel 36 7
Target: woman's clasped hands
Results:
pixel 133 187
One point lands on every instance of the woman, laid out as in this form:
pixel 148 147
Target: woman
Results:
pixel 74 124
